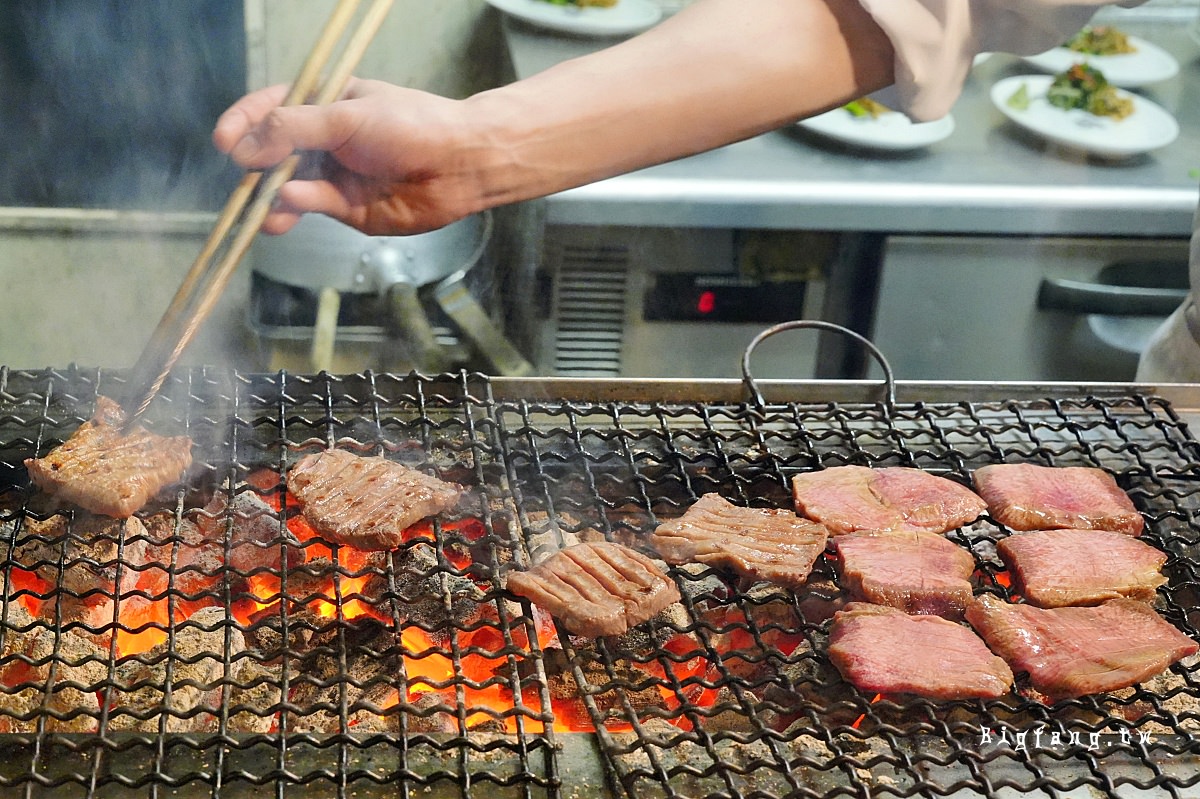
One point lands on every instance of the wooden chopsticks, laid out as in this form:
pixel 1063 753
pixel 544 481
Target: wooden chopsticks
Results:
pixel 247 207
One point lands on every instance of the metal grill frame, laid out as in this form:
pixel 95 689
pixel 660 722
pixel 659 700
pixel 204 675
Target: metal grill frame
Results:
pixel 617 456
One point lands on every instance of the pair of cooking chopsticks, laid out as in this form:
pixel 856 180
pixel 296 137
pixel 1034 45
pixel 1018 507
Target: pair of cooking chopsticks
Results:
pixel 247 207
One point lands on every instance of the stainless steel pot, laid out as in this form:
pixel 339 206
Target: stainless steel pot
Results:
pixel 333 260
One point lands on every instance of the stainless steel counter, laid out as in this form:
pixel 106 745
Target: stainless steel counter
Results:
pixel 988 177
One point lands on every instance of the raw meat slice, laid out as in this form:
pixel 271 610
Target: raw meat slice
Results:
pixel 107 470
pixel 1053 568
pixel 887 651
pixel 1075 651
pixel 1026 496
pixel 365 502
pixel 597 588
pixel 922 573
pixel 759 543
pixel 849 499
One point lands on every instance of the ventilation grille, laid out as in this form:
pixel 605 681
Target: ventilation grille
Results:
pixel 589 298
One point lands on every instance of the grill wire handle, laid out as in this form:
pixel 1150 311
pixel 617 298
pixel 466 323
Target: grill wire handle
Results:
pixel 889 379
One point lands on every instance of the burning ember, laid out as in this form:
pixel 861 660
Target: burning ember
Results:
pixel 281 660
pixel 410 633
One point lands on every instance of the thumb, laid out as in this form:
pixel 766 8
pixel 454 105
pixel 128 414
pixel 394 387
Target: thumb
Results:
pixel 287 129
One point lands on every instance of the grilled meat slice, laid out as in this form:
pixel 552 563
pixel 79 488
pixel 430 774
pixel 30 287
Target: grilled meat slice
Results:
pixel 849 499
pixel 108 471
pixel 1075 651
pixel 366 502
pixel 1053 568
pixel 598 588
pixel 760 544
pixel 922 573
pixel 1026 496
pixel 885 650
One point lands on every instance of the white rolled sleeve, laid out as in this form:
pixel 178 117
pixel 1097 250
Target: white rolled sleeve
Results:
pixel 936 40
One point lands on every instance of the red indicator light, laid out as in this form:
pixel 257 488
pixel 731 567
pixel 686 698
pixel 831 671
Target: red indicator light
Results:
pixel 706 303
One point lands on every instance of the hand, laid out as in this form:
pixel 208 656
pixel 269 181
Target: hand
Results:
pixel 395 159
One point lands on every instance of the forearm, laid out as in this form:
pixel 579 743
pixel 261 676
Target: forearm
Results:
pixel 718 72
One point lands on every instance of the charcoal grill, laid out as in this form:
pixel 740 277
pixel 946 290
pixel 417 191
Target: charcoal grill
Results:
pixel 448 686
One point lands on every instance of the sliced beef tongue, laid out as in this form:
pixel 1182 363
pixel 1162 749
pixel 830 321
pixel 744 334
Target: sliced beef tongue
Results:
pixel 109 470
pixel 885 650
pixel 366 502
pixel 1076 651
pixel 1027 496
pixel 1054 568
pixel 849 499
pixel 757 543
pixel 597 588
pixel 922 573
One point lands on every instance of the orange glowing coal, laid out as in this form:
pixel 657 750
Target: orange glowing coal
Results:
pixel 858 721
pixel 471 669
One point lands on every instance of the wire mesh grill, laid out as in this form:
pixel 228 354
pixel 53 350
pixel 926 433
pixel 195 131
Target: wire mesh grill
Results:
pixel 162 663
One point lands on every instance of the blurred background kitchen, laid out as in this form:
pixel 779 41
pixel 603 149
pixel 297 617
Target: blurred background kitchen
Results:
pixel 977 248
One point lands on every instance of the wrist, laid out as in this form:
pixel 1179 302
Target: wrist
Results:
pixel 500 148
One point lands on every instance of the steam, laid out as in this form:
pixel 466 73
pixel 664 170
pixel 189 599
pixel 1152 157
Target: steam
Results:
pixel 110 104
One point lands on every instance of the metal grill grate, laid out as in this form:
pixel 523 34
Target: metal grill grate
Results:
pixel 417 674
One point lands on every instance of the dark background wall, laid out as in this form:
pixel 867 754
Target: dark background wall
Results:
pixel 110 103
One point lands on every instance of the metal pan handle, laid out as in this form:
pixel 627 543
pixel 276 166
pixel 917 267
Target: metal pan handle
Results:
pixel 1074 296
pixel 889 379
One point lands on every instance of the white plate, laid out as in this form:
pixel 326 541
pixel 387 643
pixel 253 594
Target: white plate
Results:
pixel 890 130
pixel 1147 128
pixel 626 17
pixel 1150 64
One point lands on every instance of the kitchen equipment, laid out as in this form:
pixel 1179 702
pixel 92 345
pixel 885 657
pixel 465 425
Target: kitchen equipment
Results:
pixel 446 690
pixel 1031 308
pixel 684 302
pixel 247 207
pixel 390 289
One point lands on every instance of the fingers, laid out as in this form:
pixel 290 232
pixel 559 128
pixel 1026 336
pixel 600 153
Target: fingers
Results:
pixel 245 115
pixel 316 196
pixel 256 132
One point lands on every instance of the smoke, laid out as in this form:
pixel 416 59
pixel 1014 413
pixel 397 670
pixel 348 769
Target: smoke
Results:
pixel 110 103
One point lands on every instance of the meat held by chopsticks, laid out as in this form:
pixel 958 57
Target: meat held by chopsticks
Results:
pixel 598 588
pixel 366 502
pixel 757 543
pixel 107 470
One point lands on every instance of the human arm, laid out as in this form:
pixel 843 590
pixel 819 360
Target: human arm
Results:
pixel 717 72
